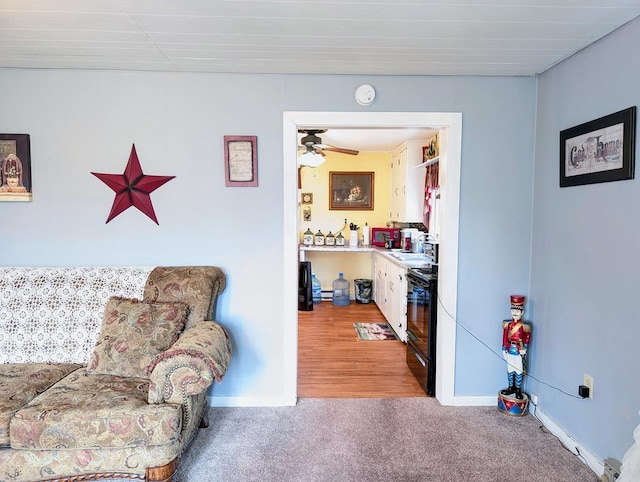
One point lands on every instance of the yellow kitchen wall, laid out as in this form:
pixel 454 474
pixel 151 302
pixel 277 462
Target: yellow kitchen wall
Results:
pixel 315 181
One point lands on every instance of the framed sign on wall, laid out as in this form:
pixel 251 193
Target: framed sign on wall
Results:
pixel 601 150
pixel 240 161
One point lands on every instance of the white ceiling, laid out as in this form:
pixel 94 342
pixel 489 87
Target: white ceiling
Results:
pixel 393 37
pixel 372 140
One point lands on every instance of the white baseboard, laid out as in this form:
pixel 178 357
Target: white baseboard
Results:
pixel 592 461
pixel 475 401
pixel 251 401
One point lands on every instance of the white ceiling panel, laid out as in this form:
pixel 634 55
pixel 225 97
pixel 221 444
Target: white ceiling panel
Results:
pixel 404 37
pixel 48 20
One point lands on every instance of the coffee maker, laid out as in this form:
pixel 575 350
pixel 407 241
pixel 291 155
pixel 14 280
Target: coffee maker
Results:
pixel 305 294
pixel 407 238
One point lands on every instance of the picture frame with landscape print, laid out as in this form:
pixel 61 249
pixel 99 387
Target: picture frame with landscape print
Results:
pixel 351 191
pixel 601 150
pixel 15 167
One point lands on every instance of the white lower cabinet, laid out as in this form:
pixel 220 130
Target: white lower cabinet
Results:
pixel 390 293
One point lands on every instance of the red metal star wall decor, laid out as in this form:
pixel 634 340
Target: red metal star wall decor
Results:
pixel 133 188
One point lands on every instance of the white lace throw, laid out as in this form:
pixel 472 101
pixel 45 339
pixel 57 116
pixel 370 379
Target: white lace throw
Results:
pixel 630 471
pixel 55 314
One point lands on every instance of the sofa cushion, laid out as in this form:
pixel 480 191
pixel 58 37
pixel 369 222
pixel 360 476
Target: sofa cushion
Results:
pixel 84 411
pixel 133 333
pixel 197 286
pixel 20 383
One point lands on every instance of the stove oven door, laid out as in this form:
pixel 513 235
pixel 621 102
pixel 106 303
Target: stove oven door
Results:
pixel 420 366
pixel 419 299
pixel 421 330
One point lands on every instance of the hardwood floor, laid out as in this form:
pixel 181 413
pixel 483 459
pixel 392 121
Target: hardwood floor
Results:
pixel 334 363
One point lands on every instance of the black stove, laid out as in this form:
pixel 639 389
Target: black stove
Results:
pixel 422 296
pixel 427 273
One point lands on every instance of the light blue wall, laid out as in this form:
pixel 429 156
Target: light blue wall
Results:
pixel 585 260
pixel 82 121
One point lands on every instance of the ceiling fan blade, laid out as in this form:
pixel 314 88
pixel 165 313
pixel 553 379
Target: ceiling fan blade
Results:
pixel 342 150
pixel 319 151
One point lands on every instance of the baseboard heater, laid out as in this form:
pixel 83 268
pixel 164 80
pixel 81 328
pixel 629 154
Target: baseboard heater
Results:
pixel 327 295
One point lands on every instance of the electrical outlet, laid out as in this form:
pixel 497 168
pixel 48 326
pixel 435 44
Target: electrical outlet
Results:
pixel 534 399
pixel 588 382
pixel 612 468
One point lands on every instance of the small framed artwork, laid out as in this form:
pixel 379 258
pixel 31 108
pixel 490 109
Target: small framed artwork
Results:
pixel 601 150
pixel 351 191
pixel 240 161
pixel 307 198
pixel 431 150
pixel 15 167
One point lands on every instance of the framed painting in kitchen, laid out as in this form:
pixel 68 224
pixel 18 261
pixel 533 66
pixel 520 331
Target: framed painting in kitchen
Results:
pixel 351 191
pixel 15 167
pixel 600 150
pixel 240 161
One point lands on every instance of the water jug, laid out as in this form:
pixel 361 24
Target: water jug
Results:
pixel 316 288
pixel 341 291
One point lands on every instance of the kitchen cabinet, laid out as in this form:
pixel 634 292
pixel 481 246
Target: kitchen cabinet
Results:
pixel 379 281
pixel 406 200
pixel 390 293
pixel 397 299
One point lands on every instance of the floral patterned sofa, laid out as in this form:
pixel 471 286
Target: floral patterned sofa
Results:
pixel 104 371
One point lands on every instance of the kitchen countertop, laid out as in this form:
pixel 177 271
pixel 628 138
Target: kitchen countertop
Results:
pixel 405 260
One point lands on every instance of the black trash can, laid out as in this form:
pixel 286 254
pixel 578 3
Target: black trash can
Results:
pixel 362 289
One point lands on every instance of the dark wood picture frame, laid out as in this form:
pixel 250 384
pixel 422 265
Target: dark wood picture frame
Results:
pixel 240 161
pixel 18 187
pixel 601 150
pixel 351 191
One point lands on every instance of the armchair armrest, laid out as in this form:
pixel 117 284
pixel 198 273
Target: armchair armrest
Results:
pixel 190 366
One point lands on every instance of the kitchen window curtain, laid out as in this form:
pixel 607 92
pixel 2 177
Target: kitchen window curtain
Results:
pixel 431 184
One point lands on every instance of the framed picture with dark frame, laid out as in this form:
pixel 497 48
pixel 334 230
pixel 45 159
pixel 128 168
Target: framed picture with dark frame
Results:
pixel 351 191
pixel 601 150
pixel 240 161
pixel 15 167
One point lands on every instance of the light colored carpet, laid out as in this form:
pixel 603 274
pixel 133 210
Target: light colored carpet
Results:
pixel 366 440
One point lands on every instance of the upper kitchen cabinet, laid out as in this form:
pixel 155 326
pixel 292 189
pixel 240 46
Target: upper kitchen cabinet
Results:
pixel 406 202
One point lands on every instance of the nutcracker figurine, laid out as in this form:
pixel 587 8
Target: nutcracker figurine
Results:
pixel 516 335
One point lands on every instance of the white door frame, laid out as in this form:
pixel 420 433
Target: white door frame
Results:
pixel 449 202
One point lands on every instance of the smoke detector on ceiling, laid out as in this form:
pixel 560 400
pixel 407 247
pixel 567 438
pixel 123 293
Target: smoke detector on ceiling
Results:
pixel 365 94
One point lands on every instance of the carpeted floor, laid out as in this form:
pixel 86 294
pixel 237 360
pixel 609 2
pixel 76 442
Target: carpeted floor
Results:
pixel 367 440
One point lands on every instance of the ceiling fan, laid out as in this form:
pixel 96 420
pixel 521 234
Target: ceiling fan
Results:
pixel 312 143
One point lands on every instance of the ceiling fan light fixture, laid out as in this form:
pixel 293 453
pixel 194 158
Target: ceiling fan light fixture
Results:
pixel 311 159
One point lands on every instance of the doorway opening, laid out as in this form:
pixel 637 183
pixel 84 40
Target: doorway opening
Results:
pixel 448 123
